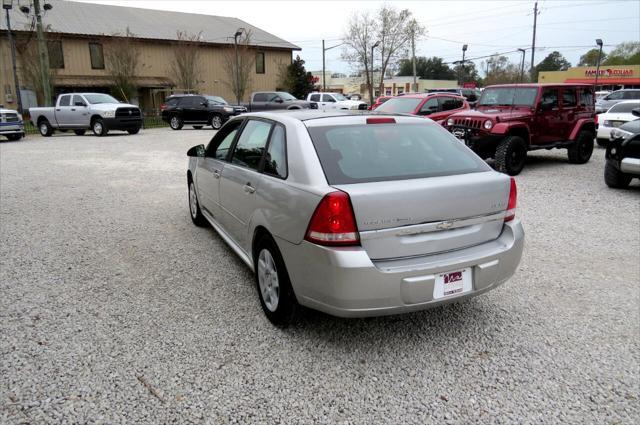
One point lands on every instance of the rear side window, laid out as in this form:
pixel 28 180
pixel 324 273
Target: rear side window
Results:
pixel 383 152
pixel 173 101
pixel 632 94
pixel 586 97
pixel 275 162
pixel 251 144
pixel 65 100
pixel 569 98
pixel 449 103
pixel 260 97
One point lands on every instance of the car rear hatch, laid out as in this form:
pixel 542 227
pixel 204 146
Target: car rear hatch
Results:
pixel 415 190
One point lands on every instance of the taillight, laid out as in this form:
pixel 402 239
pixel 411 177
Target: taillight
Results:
pixel 513 198
pixel 163 106
pixel 596 119
pixel 333 222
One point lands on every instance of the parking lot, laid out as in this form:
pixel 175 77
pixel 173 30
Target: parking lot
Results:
pixel 114 308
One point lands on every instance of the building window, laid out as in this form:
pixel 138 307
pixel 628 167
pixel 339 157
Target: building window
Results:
pixel 260 63
pixel 97 56
pixel 56 56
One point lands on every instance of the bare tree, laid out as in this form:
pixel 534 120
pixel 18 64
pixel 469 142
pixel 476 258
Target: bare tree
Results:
pixel 186 65
pixel 31 70
pixel 358 39
pixel 395 30
pixel 392 29
pixel 122 62
pixel 239 80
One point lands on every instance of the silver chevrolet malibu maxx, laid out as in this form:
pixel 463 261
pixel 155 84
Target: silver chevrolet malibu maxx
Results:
pixel 355 214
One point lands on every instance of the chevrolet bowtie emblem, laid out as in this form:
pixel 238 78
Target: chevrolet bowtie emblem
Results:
pixel 445 225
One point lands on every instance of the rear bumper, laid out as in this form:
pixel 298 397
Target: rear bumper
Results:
pixel 345 282
pixel 603 132
pixel 123 123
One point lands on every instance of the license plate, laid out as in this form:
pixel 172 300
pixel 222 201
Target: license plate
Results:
pixel 617 123
pixel 451 284
pixel 459 133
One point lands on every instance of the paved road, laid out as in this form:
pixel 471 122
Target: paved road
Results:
pixel 115 308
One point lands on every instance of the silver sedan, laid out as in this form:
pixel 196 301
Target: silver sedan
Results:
pixel 355 214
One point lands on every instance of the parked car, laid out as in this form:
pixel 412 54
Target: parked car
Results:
pixel 601 93
pixel 379 101
pixel 82 111
pixel 11 124
pixel 198 111
pixel 272 100
pixel 612 98
pixel 333 101
pixel 623 154
pixel 617 115
pixel 437 106
pixel 471 95
pixel 354 96
pixel 512 119
pixel 331 214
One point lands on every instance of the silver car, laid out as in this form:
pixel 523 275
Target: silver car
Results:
pixel 355 214
pixel 603 104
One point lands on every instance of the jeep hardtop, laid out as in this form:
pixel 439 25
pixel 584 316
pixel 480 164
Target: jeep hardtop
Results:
pixel 511 119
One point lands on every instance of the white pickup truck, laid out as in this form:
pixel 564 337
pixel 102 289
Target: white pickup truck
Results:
pixel 11 125
pixel 331 101
pixel 82 111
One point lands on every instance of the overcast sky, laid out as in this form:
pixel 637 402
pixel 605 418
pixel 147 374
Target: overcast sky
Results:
pixel 486 26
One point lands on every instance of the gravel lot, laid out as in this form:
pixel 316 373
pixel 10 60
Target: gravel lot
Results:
pixel 114 308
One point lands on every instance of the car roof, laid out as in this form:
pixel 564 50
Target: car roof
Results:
pixel 317 114
pixel 424 95
pixel 536 85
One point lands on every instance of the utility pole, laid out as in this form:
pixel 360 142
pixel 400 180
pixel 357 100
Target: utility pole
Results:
pixel 533 42
pixel 413 56
pixel 464 50
pixel 238 33
pixel 522 66
pixel 599 43
pixel 7 6
pixel 324 85
pixel 43 55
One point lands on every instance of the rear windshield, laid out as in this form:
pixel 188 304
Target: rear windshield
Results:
pixel 399 105
pixel 625 107
pixel 383 152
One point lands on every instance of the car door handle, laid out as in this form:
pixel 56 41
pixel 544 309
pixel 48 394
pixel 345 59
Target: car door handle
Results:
pixel 58 110
pixel 73 109
pixel 248 188
pixel 216 174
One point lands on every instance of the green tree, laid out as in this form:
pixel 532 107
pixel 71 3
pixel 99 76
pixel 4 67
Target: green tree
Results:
pixel 591 58
pixel 624 54
pixel 432 68
pixel 467 73
pixel 553 62
pixel 499 70
pixel 295 79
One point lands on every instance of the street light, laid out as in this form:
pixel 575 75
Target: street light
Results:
pixel 377 43
pixel 464 50
pixel 599 43
pixel 8 5
pixel 522 66
pixel 238 33
pixel 324 49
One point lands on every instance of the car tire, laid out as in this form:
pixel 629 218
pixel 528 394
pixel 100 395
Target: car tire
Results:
pixel 79 132
pixel 216 121
pixel 14 137
pixel 615 178
pixel 99 128
pixel 45 128
pixel 580 150
pixel 175 123
pixel 133 130
pixel 511 155
pixel 198 127
pixel 274 288
pixel 194 207
pixel 602 142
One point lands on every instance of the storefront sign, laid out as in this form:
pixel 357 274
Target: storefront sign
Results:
pixel 609 72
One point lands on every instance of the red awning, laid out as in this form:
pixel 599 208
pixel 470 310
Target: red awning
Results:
pixel 604 81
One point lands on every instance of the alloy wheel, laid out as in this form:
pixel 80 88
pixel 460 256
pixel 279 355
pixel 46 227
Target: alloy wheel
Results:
pixel 268 280
pixel 193 201
pixel 216 122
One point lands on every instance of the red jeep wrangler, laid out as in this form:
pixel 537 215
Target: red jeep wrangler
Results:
pixel 512 119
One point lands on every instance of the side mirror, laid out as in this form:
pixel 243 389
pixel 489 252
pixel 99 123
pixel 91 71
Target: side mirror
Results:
pixel 204 103
pixel 196 151
pixel 80 104
pixel 278 100
pixel 635 112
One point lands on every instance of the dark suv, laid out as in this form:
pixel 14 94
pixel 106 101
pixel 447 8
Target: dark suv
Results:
pixel 197 110
pixel 512 119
